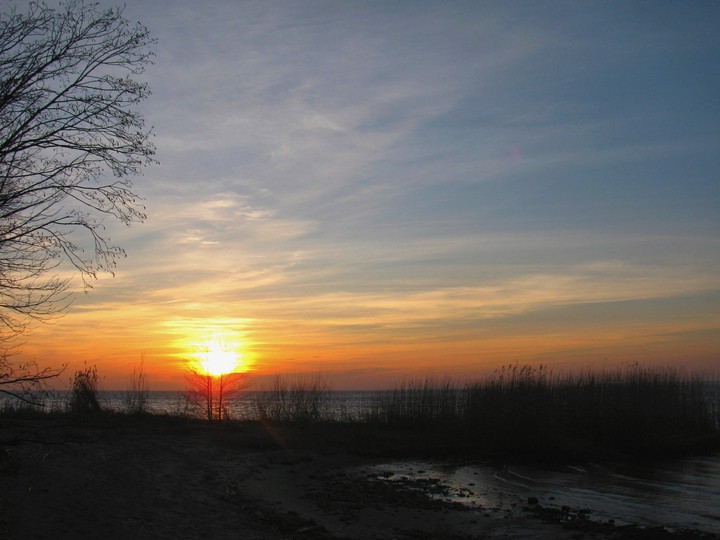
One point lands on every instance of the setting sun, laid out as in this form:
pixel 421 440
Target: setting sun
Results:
pixel 377 230
pixel 218 358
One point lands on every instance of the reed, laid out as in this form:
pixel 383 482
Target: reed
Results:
pixel 136 393
pixel 298 399
pixel 531 410
pixel 418 403
pixel 22 409
pixel 635 408
pixel 518 412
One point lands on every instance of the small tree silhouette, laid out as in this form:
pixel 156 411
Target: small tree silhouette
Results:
pixel 213 394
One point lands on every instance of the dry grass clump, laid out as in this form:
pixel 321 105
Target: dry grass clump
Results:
pixel 84 391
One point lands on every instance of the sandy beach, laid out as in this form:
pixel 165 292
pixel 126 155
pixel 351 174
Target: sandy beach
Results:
pixel 122 477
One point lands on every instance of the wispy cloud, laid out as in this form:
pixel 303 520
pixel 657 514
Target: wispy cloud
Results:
pixel 360 185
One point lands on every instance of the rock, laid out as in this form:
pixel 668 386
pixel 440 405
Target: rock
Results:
pixel 532 500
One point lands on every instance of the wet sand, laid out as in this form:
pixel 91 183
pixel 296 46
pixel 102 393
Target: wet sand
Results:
pixel 118 478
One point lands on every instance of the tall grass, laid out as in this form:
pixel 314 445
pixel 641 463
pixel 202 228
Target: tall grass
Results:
pixel 527 409
pixel 417 403
pixel 300 399
pixel 634 408
pixel 84 391
pixel 19 409
pixel 135 399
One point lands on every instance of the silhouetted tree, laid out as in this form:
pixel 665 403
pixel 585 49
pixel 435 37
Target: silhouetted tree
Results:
pixel 213 394
pixel 70 139
pixel 68 96
pixel 24 381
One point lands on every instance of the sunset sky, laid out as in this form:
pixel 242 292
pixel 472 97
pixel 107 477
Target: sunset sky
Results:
pixel 378 190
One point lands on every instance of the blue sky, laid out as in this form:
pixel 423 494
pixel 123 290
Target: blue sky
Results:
pixel 377 188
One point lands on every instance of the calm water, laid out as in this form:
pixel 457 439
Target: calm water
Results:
pixel 680 493
pixel 339 405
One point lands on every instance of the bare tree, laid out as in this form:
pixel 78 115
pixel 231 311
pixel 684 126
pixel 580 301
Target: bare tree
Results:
pixel 25 381
pixel 71 137
pixel 68 117
pixel 213 394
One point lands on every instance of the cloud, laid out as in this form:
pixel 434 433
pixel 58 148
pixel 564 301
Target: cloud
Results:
pixel 366 179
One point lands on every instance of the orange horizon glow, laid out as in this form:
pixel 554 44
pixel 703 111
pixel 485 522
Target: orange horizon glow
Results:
pixel 351 362
pixel 367 342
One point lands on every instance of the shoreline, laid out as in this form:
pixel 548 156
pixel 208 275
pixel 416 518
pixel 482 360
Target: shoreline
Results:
pixel 155 477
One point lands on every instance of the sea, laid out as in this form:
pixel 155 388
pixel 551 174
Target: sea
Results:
pixel 337 405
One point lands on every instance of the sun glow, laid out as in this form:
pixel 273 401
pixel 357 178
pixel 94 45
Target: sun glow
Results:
pixel 218 358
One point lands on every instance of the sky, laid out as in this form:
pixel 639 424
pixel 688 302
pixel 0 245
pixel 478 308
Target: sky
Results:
pixel 384 190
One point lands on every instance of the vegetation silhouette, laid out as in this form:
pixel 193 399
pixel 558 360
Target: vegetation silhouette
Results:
pixel 529 411
pixel 519 413
pixel 213 394
pixel 25 381
pixel 297 399
pixel 136 395
pixel 84 391
pixel 71 138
